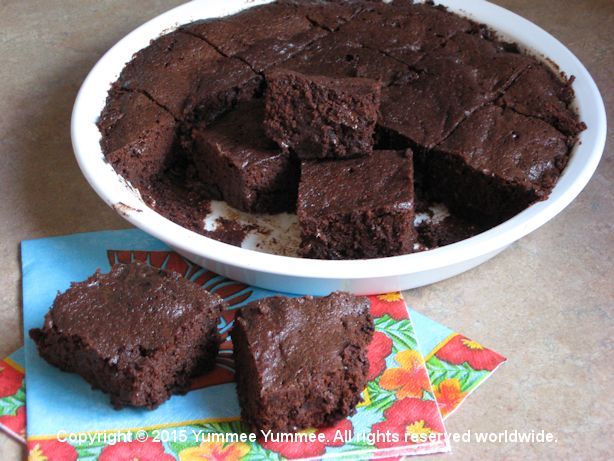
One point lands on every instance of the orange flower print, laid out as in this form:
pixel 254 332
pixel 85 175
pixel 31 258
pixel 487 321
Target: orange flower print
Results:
pixel 410 379
pixel 461 349
pixel 391 304
pixel 448 395
pixel 412 420
pixel 215 451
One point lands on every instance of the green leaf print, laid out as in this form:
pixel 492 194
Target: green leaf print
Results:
pixel 468 378
pixel 10 405
pixel 400 331
pixel 380 399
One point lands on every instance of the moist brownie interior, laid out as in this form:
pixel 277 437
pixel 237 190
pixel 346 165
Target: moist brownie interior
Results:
pixel 491 127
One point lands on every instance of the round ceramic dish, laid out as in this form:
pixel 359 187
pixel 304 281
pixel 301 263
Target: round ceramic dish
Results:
pixel 306 276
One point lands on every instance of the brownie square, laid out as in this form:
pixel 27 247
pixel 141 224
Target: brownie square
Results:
pixel 340 55
pixel 404 30
pixel 137 136
pixel 357 208
pixel 274 51
pixel 168 69
pixel 494 66
pixel 137 333
pixel 301 362
pixel 540 93
pixel 330 14
pixel 234 157
pixel 321 117
pixel 428 105
pixel 221 86
pixel 233 34
pixel 495 164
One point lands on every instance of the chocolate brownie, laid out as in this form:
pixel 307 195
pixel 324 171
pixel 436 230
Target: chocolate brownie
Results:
pixel 540 93
pixel 436 69
pixel 339 55
pixel 168 69
pixel 137 333
pixel 137 136
pixel 357 208
pixel 321 117
pixel 406 31
pixel 249 171
pixel 274 51
pixel 233 34
pixel 222 85
pixel 428 105
pixel 494 66
pixel 301 362
pixel 496 163
pixel 330 14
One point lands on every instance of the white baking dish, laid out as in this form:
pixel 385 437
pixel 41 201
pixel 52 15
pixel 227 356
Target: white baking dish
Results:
pixel 314 276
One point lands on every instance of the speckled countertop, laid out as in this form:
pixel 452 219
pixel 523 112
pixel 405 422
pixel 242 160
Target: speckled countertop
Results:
pixel 546 303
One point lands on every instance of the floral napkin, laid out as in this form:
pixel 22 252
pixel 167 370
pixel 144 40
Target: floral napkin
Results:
pixel 419 373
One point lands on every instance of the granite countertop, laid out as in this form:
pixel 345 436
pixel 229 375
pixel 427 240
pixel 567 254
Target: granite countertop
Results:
pixel 546 303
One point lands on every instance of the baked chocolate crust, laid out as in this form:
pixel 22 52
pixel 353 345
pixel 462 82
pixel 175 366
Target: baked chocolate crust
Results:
pixel 357 208
pixel 234 157
pixel 301 362
pixel 136 333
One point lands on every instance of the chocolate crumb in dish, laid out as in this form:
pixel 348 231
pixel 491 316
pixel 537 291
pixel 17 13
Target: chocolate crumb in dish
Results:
pixel 250 172
pixel 357 208
pixel 321 117
pixel 230 231
pixel 137 136
pixel 301 362
pixel 496 163
pixel 137 333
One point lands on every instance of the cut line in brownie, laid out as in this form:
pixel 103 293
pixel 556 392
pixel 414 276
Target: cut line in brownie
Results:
pixel 540 93
pixel 339 55
pixel 495 164
pixel 221 86
pixel 301 362
pixel 425 108
pixel 137 333
pixel 137 136
pixel 494 66
pixel 321 117
pixel 234 157
pixel 406 31
pixel 234 34
pixel 168 69
pixel 357 208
